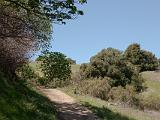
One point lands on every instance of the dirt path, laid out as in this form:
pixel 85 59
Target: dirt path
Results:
pixel 67 108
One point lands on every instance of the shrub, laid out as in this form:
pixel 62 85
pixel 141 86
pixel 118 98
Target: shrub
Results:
pixel 125 96
pixel 26 72
pixel 150 102
pixel 94 87
pixel 41 81
pixel 56 68
pixel 111 63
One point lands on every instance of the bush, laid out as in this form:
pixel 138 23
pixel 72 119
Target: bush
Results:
pixel 111 63
pixel 26 72
pixel 56 68
pixel 41 81
pixel 150 102
pixel 94 87
pixel 125 96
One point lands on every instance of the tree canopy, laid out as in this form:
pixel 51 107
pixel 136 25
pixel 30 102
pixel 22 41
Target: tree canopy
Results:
pixel 54 10
pixel 142 60
pixel 122 68
pixel 109 63
pixel 55 66
pixel 26 27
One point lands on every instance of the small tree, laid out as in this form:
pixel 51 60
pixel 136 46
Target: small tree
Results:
pixel 55 67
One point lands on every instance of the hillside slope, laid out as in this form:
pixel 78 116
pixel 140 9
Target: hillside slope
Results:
pixel 19 102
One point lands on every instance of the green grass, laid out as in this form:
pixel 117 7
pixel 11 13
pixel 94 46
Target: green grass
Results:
pixel 110 112
pixel 105 111
pixel 151 97
pixel 36 67
pixel 19 102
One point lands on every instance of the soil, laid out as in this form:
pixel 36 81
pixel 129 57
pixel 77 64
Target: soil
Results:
pixel 67 108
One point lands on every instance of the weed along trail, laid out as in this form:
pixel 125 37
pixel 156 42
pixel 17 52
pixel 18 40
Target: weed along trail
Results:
pixel 67 107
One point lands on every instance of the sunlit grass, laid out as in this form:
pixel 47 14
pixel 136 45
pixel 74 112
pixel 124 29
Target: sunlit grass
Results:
pixel 104 107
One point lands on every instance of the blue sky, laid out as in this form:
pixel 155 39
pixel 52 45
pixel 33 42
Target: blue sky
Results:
pixel 110 23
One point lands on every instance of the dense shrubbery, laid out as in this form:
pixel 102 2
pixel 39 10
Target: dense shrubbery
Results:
pixel 125 96
pixel 56 68
pixel 26 72
pixel 114 75
pixel 122 67
pixel 28 75
pixel 111 63
pixel 151 102
pixel 94 87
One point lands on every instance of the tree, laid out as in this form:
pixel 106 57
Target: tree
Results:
pixel 109 63
pixel 105 59
pixel 149 61
pixel 141 60
pixel 55 10
pixel 55 67
pixel 26 27
pixel 21 34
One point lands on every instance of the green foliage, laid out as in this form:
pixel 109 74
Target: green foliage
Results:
pixel 110 63
pixel 39 58
pixel 55 67
pixel 122 67
pixel 54 10
pixel 94 87
pixel 109 110
pixel 125 96
pixel 159 62
pixel 18 101
pixel 150 98
pixel 41 81
pixel 26 72
pixel 30 27
pixel 142 60
pixel 106 114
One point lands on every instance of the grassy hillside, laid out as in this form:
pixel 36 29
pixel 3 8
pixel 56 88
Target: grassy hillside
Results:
pixel 150 99
pixel 19 102
pixel 36 66
pixel 107 111
pixel 152 82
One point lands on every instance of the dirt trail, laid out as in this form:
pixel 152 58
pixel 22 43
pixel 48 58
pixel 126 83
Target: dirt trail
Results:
pixel 67 107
